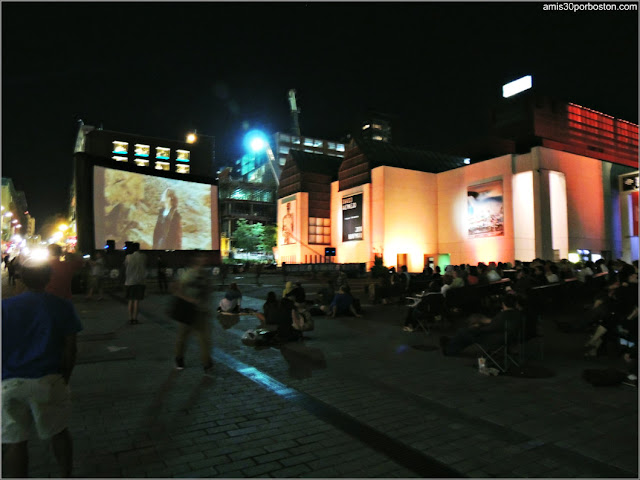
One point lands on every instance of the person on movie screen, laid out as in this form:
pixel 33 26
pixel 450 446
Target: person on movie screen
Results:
pixel 167 234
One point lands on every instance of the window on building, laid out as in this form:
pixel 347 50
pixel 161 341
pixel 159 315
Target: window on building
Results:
pixel 308 142
pixel 162 153
pixel 283 149
pixel 295 140
pixel 182 155
pixel 182 168
pixel 364 127
pixel 120 159
pixel 308 150
pixel 376 126
pixel 376 137
pixel 162 166
pixel 319 231
pixel 120 147
pixel 142 150
pixel 285 138
pixel 340 147
pixel 142 162
pixel 318 143
pixel 282 161
pixel 332 146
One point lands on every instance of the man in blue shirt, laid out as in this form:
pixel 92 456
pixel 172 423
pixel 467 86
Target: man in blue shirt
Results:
pixel 38 355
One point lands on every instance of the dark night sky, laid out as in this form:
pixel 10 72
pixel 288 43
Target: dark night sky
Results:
pixel 160 69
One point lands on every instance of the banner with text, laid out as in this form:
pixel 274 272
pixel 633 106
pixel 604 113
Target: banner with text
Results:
pixel 352 217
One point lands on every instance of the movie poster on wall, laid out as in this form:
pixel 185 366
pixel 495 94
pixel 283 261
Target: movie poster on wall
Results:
pixel 352 217
pixel 288 223
pixel 485 210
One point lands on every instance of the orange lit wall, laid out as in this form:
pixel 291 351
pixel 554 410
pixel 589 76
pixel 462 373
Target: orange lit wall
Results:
pixel 585 205
pixel 452 213
pixel 405 215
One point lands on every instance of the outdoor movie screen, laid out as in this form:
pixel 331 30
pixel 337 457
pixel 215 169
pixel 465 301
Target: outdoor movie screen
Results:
pixel 159 213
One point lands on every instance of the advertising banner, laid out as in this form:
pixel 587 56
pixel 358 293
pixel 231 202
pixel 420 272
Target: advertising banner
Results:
pixel 352 217
pixel 288 235
pixel 485 210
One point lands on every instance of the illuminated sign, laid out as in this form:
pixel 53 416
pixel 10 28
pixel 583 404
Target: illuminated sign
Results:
pixel 513 88
pixel 352 218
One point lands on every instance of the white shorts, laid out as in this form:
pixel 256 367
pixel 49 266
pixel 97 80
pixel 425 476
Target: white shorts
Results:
pixel 44 401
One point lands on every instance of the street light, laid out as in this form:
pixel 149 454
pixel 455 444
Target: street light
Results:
pixel 257 141
pixel 192 138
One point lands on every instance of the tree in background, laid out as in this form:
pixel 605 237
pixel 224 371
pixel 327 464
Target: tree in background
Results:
pixel 248 236
pixel 269 238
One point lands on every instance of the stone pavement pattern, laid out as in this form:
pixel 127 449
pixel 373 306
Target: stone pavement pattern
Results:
pixel 353 400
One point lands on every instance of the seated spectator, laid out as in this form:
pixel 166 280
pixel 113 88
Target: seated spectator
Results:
pixel 457 281
pixel 298 294
pixel 492 274
pixel 267 316
pixel 326 294
pixel 232 300
pixel 343 304
pixel 551 273
pixel 583 273
pixel 283 315
pixel 472 277
pixel 447 280
pixel 288 288
pixel 486 331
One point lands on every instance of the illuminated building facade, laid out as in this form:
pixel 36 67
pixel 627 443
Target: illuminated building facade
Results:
pixel 285 142
pixel 253 201
pixel 149 152
pixel 561 190
pixel 17 223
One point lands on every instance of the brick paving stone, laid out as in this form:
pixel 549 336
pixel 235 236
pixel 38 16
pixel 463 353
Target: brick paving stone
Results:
pixel 270 457
pixel 234 466
pixel 298 459
pixel 246 453
pixel 261 469
pixel 281 445
pixel 291 472
pixel 181 459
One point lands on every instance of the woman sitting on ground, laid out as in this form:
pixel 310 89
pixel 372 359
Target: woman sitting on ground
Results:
pixel 232 300
pixel 268 314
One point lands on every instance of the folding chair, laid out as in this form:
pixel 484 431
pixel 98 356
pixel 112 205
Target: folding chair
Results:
pixel 428 308
pixel 498 354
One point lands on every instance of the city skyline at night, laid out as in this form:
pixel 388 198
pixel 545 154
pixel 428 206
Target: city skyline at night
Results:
pixel 165 69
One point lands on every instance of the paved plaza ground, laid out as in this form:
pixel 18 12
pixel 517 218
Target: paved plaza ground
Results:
pixel 356 399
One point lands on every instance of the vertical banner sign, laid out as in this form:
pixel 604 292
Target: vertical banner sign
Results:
pixel 352 217
pixel 288 224
pixel 485 210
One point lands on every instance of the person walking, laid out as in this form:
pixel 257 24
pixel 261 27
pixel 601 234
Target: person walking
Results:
pixel 96 276
pixel 38 355
pixel 194 286
pixel 135 275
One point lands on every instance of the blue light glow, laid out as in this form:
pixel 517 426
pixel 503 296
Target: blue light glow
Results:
pixel 255 140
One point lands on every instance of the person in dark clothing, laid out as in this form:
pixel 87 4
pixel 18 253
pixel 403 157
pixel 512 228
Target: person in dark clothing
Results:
pixel 269 310
pixel 343 304
pixel 486 331
pixel 162 276
pixel 283 315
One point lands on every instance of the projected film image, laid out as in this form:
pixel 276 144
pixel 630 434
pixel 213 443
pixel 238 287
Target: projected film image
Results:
pixel 159 213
